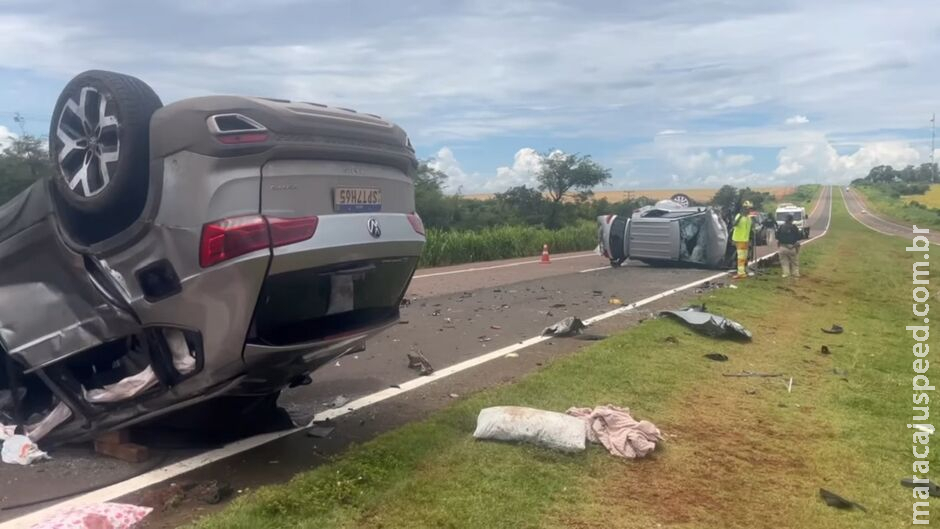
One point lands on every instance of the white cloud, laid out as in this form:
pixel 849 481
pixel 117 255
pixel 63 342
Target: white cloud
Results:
pixel 670 132
pixel 447 163
pixel 525 167
pixel 798 119
pixel 820 162
pixel 6 137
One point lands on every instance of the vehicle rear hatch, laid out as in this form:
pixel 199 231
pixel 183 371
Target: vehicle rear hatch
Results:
pixel 355 179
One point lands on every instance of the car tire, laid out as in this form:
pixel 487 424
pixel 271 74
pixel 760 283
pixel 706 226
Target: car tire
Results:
pixel 99 140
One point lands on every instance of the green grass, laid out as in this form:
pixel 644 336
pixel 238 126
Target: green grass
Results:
pixel 900 208
pixel 740 453
pixel 505 242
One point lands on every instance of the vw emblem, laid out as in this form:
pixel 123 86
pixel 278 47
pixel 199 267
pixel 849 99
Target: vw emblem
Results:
pixel 374 229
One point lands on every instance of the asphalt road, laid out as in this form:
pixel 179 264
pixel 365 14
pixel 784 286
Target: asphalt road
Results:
pixel 859 210
pixel 457 314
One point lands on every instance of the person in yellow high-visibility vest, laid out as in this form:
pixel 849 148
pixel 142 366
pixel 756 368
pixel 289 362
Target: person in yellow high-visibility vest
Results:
pixel 741 235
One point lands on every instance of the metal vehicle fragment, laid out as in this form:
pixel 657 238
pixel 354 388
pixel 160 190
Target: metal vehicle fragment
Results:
pixel 710 324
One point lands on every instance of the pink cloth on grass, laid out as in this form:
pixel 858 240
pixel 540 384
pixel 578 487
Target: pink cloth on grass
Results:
pixel 618 431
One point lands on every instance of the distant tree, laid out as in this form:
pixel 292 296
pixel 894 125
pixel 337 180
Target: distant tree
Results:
pixel 562 173
pixel 436 210
pixel 523 204
pixel 22 162
pixel 729 198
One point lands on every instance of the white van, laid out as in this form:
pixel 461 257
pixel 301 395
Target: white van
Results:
pixel 799 217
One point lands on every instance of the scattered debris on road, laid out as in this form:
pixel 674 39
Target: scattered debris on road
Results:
pixel 338 402
pixel 511 355
pixel 558 306
pixel 418 362
pixel 836 329
pixel 708 285
pixel 710 324
pixel 96 516
pixel 790 386
pixel 617 430
pixel 671 339
pixel 718 357
pixel 21 450
pixel 454 396
pixel 548 429
pixel 834 500
pixel 615 301
pixel 484 338
pixel 569 326
pixel 496 327
pixel 320 431
pixel 825 350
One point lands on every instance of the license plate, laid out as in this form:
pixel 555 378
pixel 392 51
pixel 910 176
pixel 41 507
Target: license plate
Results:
pixel 356 199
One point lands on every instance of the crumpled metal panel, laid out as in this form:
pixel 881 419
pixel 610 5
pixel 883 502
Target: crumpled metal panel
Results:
pixel 710 324
pixel 49 306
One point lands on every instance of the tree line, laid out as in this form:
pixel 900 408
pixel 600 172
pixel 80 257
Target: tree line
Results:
pixel 562 197
pixel 896 182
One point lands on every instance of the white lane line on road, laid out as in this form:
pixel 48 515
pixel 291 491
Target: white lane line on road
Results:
pixel 494 267
pixel 176 469
pixel 845 201
pixel 594 269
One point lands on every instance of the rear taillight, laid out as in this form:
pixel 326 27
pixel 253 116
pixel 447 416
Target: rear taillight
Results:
pixel 416 223
pixel 289 231
pixel 238 139
pixel 229 238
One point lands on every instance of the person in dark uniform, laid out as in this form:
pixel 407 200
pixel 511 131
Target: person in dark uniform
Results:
pixel 788 242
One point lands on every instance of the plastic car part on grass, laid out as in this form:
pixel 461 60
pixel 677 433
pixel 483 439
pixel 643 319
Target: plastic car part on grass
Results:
pixel 97 516
pixel 710 324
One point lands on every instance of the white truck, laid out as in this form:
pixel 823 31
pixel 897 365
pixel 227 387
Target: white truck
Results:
pixel 799 217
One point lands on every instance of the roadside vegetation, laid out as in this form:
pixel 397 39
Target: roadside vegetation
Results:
pixel 739 452
pixel 908 195
pixel 561 211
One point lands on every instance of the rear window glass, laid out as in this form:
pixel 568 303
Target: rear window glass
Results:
pixel 796 216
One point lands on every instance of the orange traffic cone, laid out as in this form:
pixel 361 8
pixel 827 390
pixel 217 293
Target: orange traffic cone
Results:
pixel 545 258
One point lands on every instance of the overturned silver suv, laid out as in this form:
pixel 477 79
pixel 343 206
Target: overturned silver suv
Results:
pixel 670 233
pixel 215 246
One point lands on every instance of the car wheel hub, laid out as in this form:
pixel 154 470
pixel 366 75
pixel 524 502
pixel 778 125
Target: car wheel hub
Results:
pixel 88 131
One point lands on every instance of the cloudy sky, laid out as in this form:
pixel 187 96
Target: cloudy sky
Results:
pixel 671 93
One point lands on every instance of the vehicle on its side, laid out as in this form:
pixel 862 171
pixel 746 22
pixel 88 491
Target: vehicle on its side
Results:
pixel 666 233
pixel 799 217
pixel 216 246
pixel 669 233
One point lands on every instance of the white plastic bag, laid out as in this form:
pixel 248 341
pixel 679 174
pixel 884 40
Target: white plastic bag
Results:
pixel 6 431
pixel 20 450
pixel 544 428
pixel 97 516
pixel 183 362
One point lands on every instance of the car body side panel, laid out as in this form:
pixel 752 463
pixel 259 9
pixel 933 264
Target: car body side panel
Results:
pixel 218 301
pixel 51 306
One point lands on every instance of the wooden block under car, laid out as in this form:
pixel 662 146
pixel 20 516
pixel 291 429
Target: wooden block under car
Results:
pixel 129 452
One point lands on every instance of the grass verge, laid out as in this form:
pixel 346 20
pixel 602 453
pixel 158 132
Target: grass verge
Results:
pixel 504 242
pixel 902 209
pixel 740 452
